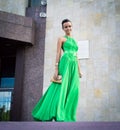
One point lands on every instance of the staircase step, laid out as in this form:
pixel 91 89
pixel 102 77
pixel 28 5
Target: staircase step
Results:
pixel 59 125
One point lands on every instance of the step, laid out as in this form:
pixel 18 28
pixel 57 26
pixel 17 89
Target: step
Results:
pixel 59 125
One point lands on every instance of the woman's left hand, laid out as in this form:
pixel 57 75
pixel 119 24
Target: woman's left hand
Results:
pixel 80 74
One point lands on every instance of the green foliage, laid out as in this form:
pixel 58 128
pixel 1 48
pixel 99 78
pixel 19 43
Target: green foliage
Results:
pixel 4 115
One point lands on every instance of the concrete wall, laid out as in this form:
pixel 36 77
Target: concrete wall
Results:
pixel 14 6
pixel 96 21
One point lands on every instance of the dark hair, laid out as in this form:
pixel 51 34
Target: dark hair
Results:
pixel 64 21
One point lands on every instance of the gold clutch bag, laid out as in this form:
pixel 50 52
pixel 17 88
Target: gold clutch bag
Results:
pixel 58 80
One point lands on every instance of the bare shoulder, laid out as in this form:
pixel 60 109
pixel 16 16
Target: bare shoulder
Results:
pixel 61 39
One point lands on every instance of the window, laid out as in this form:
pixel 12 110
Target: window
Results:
pixel 7 80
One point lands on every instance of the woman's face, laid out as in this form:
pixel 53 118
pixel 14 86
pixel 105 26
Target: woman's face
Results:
pixel 67 27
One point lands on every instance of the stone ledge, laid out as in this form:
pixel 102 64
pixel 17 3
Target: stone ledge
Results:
pixel 17 27
pixel 60 126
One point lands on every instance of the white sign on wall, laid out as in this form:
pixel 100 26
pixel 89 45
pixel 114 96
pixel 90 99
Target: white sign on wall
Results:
pixel 83 51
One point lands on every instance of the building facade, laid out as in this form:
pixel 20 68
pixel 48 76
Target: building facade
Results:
pixel 28 37
pixel 22 41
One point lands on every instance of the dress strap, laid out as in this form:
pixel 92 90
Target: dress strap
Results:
pixel 66 36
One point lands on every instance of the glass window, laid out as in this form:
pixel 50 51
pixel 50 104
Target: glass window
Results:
pixel 7 76
pixel 7 80
pixel 5 105
pixel 34 3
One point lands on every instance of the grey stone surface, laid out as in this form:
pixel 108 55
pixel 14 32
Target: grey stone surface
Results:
pixel 14 6
pixel 60 126
pixel 34 64
pixel 13 26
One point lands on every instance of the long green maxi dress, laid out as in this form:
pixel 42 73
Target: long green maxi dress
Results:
pixel 60 100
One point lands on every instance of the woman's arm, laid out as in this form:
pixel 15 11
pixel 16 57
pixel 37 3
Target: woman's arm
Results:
pixel 80 74
pixel 58 55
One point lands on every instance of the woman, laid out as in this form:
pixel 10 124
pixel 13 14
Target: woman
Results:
pixel 61 99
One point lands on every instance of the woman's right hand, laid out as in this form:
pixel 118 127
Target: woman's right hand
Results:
pixel 56 73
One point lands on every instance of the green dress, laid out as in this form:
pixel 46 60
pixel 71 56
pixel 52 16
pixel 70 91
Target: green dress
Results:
pixel 60 100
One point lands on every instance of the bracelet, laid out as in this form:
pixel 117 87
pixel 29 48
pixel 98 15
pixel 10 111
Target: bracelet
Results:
pixel 56 64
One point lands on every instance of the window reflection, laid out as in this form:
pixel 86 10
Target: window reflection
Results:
pixel 5 105
pixel 7 80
